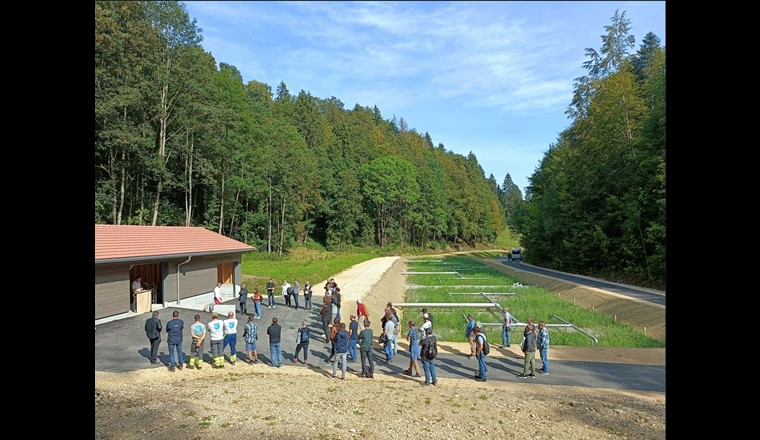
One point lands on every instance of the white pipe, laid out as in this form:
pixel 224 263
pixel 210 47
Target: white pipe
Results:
pixel 190 257
pixel 476 305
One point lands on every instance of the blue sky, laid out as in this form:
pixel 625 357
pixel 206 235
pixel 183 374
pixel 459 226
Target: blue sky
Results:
pixel 494 78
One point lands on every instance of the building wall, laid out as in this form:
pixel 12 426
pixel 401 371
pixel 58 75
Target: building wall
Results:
pixel 197 277
pixel 111 289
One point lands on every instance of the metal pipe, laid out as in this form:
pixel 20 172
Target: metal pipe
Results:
pixel 478 286
pixel 479 293
pixel 474 305
pixel 596 341
pixel 429 273
pixel 190 257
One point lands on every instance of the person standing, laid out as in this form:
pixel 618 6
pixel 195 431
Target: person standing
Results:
pixel 365 339
pixel 336 304
pixel 137 285
pixel 307 291
pixel 230 336
pixel 388 332
pixel 428 324
pixel 506 327
pixel 197 334
pixel 529 348
pixel 216 334
pixel 218 293
pixel 353 333
pixel 326 312
pixel 396 330
pixel 429 344
pixel 275 331
pixel 480 342
pixel 153 332
pixel 243 296
pixel 296 288
pixel 270 293
pixel 302 341
pixel 174 330
pixel 251 335
pixel 287 289
pixel 468 334
pixel 361 311
pixel 334 329
pixel 429 315
pixel 542 344
pixel 257 302
pixel 341 350
pixel 413 338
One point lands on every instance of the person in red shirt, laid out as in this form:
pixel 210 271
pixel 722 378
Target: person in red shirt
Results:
pixel 257 302
pixel 361 311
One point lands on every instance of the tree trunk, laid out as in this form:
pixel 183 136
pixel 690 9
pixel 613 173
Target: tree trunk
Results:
pixel 112 161
pixel 142 200
pixel 269 213
pixel 282 224
pixel 221 195
pixel 234 211
pixel 122 186
pixel 163 121
pixel 189 189
pixel 221 203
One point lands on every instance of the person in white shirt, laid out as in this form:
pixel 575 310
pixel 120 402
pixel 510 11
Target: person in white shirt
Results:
pixel 230 336
pixel 285 287
pixel 218 293
pixel 216 333
pixel 137 284
pixel 198 334
pixel 506 328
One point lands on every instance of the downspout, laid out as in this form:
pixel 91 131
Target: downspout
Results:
pixel 190 257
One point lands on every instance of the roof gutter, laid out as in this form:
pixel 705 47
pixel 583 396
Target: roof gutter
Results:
pixel 189 257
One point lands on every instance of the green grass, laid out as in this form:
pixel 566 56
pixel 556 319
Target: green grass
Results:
pixel 302 264
pixel 507 240
pixel 531 302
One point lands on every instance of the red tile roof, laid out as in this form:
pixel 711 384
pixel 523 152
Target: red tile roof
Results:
pixel 129 242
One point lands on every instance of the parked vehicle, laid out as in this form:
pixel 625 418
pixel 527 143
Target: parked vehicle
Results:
pixel 514 255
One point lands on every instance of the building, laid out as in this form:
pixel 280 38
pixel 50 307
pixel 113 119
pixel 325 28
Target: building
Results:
pixel 175 263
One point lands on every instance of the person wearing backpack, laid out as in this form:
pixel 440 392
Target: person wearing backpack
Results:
pixel 429 352
pixel 302 341
pixel 481 344
pixel 341 351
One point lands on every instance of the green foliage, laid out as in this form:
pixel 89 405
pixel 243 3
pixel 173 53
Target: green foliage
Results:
pixel 596 203
pixel 181 140
pixel 301 263
pixel 528 302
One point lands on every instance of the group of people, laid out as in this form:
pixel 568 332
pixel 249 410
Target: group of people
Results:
pixel 535 341
pixel 532 342
pixel 343 337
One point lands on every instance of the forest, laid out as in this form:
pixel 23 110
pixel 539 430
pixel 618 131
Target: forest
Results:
pixel 181 139
pixel 596 203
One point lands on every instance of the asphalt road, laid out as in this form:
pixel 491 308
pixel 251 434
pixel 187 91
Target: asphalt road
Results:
pixel 121 346
pixel 632 291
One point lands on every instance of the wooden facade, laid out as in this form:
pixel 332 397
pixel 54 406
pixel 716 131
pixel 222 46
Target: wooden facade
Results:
pixel 111 289
pixel 196 277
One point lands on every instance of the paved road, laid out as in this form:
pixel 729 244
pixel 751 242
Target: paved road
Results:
pixel 121 346
pixel 632 291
